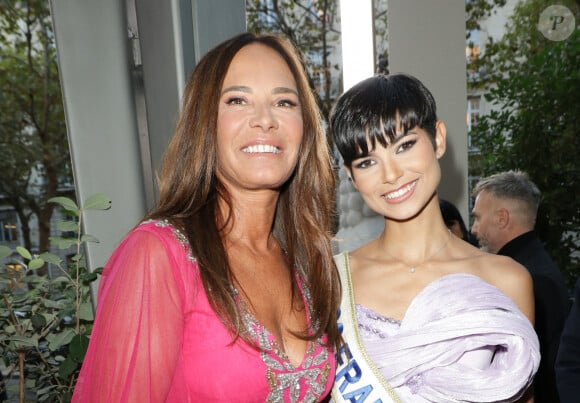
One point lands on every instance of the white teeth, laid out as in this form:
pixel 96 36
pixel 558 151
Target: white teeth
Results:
pixel 261 148
pixel 400 192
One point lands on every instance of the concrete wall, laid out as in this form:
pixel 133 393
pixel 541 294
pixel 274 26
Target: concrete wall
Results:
pixel 123 66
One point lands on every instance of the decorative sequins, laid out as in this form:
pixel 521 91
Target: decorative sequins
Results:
pixel 287 383
pixel 415 383
pixel 181 238
pixel 374 324
pixel 284 379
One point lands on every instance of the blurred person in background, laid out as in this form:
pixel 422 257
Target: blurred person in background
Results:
pixel 568 359
pixel 454 221
pixel 504 217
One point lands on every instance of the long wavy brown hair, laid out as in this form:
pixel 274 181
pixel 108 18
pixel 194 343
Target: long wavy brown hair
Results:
pixel 190 190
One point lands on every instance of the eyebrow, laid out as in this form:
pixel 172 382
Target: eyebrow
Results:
pixel 401 136
pixel 243 88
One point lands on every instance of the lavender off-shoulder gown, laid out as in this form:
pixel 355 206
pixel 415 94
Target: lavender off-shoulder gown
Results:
pixel 461 340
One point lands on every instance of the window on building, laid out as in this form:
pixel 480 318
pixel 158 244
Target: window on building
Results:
pixel 316 72
pixel 318 81
pixel 473 113
pixel 267 18
pixel 472 52
pixel 8 226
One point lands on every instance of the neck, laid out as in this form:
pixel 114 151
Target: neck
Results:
pixel 250 224
pixel 414 246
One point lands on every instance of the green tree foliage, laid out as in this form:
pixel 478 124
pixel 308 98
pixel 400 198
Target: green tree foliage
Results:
pixel 534 84
pixel 476 10
pixel 315 29
pixel 33 143
pixel 314 26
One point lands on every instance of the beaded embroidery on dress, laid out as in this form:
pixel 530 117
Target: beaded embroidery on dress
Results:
pixel 282 376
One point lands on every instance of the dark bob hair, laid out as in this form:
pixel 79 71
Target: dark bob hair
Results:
pixel 379 109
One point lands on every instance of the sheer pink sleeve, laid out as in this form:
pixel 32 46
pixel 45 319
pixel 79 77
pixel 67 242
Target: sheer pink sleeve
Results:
pixel 138 329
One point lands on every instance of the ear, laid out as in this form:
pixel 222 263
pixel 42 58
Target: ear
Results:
pixel 440 138
pixel 502 217
pixel 350 177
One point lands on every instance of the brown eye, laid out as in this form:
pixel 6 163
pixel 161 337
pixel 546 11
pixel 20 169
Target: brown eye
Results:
pixel 406 145
pixel 364 164
pixel 235 101
pixel 287 103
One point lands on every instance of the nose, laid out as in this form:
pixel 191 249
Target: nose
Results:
pixel 391 170
pixel 264 118
pixel 474 228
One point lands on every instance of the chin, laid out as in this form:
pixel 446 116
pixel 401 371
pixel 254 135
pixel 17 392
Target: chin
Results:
pixel 402 217
pixel 271 181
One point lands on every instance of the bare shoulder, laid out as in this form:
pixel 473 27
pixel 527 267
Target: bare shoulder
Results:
pixel 511 278
pixel 503 271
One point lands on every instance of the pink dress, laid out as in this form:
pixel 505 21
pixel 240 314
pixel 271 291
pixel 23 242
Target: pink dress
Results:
pixel 157 339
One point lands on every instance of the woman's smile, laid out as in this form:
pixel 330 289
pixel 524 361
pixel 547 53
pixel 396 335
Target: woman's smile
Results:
pixel 401 194
pixel 262 149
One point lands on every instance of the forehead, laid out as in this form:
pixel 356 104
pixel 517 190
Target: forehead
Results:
pixel 257 64
pixel 483 202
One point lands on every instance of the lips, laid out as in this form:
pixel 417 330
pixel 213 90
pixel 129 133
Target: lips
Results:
pixel 261 149
pixel 401 192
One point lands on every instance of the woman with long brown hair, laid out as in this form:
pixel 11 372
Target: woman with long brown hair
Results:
pixel 227 291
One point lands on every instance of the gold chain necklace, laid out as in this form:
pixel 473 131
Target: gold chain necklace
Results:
pixel 412 267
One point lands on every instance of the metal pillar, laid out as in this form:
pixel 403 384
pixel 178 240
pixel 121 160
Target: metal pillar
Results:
pixel 123 66
pixel 427 40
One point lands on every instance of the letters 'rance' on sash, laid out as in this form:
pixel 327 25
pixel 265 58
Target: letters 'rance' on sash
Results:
pixel 357 379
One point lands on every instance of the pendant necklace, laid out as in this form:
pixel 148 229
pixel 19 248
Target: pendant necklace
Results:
pixel 412 267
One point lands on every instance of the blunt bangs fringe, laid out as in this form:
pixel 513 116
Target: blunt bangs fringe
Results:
pixel 377 110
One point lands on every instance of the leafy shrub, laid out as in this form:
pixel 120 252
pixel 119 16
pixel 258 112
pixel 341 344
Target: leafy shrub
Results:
pixel 46 322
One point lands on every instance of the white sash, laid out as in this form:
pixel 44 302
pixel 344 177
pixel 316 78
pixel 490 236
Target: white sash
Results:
pixel 357 378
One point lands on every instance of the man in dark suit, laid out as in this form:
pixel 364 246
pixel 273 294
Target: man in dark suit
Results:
pixel 568 360
pixel 504 216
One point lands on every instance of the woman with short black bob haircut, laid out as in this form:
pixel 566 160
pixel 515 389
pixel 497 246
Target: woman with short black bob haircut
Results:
pixel 426 317
pixel 379 109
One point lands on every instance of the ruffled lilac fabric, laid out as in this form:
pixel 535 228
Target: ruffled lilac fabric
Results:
pixel 461 340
